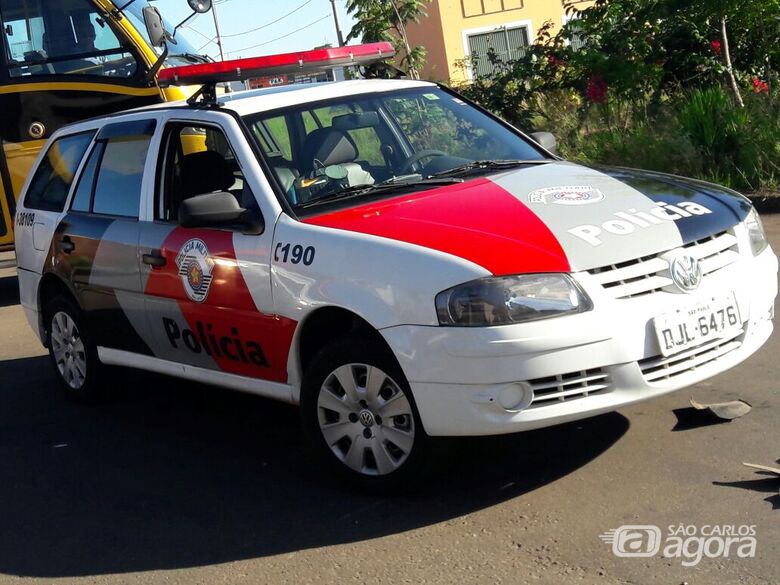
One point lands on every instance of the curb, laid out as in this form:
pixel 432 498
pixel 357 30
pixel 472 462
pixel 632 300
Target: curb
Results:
pixel 765 205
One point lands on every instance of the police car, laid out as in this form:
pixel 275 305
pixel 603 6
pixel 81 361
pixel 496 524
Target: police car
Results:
pixel 385 254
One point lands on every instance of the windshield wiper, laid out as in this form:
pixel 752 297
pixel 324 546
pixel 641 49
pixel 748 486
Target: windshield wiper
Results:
pixel 384 187
pixel 192 57
pixel 488 165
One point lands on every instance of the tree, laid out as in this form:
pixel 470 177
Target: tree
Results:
pixel 386 20
pixel 662 46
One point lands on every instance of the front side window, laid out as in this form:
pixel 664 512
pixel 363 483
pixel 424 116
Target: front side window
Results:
pixel 197 160
pixel 326 150
pixel 68 37
pixel 51 183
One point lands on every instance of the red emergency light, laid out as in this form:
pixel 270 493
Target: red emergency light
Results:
pixel 286 63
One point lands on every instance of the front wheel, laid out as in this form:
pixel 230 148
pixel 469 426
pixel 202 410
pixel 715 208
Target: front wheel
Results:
pixel 359 415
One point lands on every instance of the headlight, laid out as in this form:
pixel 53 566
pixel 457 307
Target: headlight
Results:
pixel 756 233
pixel 511 299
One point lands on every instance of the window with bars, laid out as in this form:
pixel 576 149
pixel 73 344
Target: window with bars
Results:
pixel 506 43
pixel 578 40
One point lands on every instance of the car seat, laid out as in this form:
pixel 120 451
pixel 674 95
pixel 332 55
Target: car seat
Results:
pixel 326 147
pixel 200 173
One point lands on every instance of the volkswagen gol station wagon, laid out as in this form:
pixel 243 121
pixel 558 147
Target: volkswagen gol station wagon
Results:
pixel 385 254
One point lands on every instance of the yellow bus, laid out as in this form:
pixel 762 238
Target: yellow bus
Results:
pixel 67 60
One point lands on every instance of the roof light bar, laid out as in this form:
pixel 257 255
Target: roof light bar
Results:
pixel 286 63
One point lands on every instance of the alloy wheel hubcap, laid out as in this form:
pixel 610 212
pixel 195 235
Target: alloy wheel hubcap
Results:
pixel 68 349
pixel 366 419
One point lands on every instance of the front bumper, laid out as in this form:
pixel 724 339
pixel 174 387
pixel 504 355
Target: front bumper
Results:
pixel 577 366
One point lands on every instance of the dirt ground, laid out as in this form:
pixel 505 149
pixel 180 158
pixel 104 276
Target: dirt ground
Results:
pixel 170 482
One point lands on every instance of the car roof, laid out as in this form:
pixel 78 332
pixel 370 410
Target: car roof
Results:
pixel 267 99
pixel 258 100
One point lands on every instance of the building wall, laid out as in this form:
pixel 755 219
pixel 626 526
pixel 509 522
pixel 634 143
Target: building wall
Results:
pixel 442 32
pixel 429 32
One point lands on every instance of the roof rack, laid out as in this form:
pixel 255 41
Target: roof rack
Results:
pixel 208 75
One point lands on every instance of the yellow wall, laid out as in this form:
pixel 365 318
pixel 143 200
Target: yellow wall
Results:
pixel 442 31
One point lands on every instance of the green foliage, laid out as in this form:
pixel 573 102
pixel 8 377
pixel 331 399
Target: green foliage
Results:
pixel 385 20
pixel 713 123
pixel 515 87
pixel 702 134
pixel 644 83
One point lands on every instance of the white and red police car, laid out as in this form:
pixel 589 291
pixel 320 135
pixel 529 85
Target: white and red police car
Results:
pixel 394 259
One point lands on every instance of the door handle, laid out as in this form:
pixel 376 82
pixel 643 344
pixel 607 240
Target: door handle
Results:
pixel 155 259
pixel 66 245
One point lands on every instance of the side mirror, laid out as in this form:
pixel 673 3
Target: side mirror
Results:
pixel 154 26
pixel 546 141
pixel 219 210
pixel 200 6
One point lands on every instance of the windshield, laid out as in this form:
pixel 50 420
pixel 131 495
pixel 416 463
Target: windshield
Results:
pixel 180 53
pixel 357 146
pixel 68 37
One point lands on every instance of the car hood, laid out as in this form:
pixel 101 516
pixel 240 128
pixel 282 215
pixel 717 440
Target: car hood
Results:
pixel 548 218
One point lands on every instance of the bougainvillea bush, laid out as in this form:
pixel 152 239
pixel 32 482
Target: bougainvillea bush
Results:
pixel 672 85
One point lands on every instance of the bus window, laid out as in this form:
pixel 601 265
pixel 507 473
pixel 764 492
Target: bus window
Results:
pixel 69 37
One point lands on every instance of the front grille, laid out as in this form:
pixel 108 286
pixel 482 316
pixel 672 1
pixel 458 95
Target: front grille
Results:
pixel 650 274
pixel 660 369
pixel 571 386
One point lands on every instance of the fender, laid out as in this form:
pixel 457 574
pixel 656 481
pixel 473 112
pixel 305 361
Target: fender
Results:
pixel 383 281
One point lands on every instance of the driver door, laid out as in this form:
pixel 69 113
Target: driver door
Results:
pixel 207 290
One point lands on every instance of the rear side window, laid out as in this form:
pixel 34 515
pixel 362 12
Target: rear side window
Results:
pixel 82 198
pixel 119 179
pixel 51 183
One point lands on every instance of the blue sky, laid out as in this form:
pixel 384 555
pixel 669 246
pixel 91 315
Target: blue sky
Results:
pixel 314 17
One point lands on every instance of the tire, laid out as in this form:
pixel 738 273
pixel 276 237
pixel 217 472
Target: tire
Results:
pixel 385 426
pixel 73 354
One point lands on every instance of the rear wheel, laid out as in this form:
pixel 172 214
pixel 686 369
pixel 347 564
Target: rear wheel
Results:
pixel 72 353
pixel 359 415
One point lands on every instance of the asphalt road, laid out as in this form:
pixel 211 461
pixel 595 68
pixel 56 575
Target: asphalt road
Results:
pixel 172 482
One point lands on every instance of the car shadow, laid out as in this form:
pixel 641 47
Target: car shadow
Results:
pixel 170 474
pixel 9 291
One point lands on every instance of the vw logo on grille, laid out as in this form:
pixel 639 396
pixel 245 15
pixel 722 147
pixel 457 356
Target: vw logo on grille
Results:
pixel 367 419
pixel 686 273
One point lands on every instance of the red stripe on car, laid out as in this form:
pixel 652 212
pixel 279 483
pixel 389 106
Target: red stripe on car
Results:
pixel 226 325
pixel 478 221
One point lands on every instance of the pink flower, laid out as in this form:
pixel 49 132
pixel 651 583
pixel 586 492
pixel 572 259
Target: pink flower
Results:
pixel 716 47
pixel 554 61
pixel 760 86
pixel 598 89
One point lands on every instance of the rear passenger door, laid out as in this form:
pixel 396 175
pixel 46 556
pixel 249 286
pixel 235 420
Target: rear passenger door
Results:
pixel 45 200
pixel 96 243
pixel 208 293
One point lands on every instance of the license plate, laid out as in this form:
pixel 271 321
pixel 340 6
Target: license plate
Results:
pixel 695 325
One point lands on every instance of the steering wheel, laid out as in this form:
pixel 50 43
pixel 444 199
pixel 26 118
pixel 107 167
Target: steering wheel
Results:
pixel 417 157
